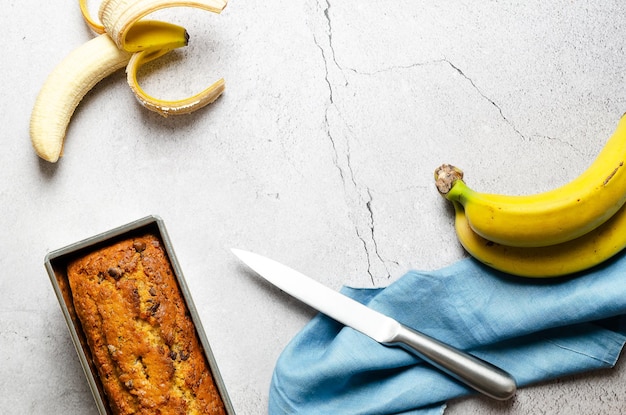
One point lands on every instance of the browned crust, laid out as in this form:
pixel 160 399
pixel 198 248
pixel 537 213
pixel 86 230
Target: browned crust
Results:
pixel 139 331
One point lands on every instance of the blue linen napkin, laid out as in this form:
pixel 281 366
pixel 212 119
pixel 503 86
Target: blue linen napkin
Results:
pixel 535 329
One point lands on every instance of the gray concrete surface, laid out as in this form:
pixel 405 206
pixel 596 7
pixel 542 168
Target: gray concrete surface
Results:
pixel 319 154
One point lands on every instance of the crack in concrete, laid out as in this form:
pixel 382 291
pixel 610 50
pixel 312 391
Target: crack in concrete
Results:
pixel 564 142
pixel 368 204
pixel 459 71
pixel 326 76
pixel 330 33
pixel 357 193
pixel 330 89
pixel 482 94
pixel 395 67
pixel 343 162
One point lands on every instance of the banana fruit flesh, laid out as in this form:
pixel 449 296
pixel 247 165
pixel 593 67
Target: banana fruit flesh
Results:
pixel 65 87
pixel 123 40
pixel 547 218
pixel 551 234
pixel 559 260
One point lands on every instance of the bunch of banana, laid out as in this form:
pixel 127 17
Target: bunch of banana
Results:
pixel 123 40
pixel 559 232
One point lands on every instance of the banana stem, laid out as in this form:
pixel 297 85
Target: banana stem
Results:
pixel 446 176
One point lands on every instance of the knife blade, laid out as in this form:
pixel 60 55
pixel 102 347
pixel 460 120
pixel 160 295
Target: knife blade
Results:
pixel 476 373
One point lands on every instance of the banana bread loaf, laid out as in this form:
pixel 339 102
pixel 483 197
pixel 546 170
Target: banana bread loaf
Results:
pixel 139 332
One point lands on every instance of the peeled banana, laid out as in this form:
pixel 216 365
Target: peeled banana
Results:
pixel 65 87
pixel 123 40
pixel 547 218
pixel 566 258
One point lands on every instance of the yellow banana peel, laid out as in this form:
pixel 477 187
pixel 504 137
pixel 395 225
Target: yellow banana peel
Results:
pixel 558 260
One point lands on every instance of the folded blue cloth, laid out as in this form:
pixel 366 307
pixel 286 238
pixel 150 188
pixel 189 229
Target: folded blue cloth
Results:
pixel 535 329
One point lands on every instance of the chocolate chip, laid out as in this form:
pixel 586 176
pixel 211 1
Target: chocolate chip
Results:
pixel 115 272
pixel 184 356
pixel 153 308
pixel 152 291
pixel 173 355
pixel 139 246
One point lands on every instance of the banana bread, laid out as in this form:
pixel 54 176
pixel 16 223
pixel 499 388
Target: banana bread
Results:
pixel 138 329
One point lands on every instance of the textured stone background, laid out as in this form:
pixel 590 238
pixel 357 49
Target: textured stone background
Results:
pixel 320 154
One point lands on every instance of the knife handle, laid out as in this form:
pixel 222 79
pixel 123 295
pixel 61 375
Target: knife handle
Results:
pixel 474 372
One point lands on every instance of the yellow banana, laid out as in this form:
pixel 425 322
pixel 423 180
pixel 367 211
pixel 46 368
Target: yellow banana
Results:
pixel 123 40
pixel 562 259
pixel 65 87
pixel 551 217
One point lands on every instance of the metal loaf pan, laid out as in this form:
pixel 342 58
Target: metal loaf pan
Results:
pixel 56 264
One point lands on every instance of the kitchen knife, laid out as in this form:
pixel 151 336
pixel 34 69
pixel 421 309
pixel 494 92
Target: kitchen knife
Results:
pixel 474 372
